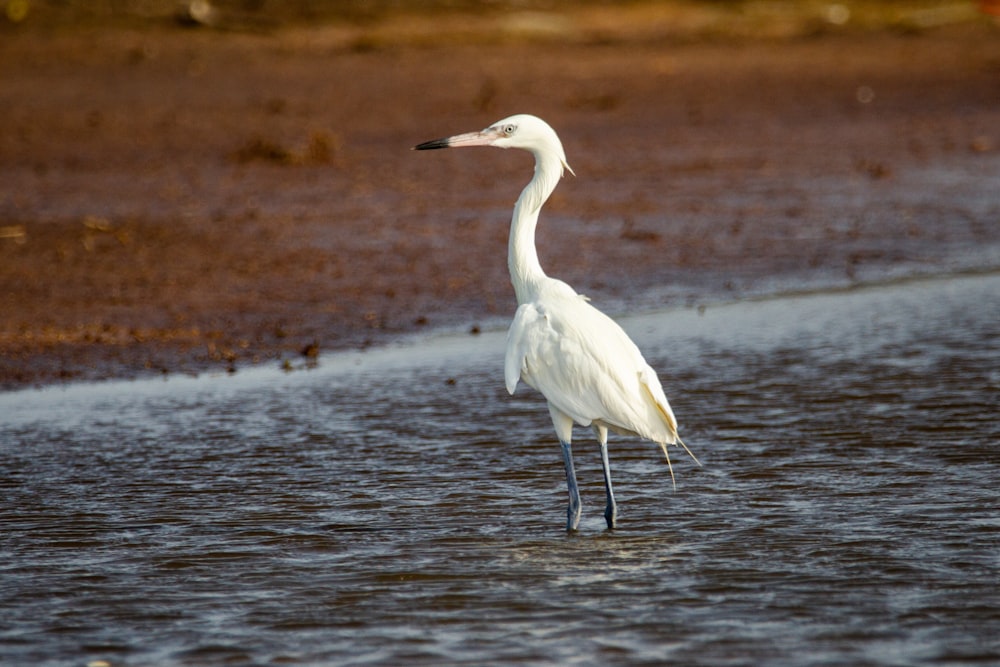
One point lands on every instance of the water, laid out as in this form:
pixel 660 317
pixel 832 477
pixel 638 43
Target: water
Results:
pixel 396 507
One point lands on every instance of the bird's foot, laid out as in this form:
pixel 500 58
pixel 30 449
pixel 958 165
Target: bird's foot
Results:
pixel 611 515
pixel 573 513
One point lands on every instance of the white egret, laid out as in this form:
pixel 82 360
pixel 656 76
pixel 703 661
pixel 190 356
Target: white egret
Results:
pixel 581 360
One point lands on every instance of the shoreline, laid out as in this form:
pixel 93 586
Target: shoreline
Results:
pixel 450 343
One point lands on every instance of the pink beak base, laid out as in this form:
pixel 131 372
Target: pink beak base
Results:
pixel 484 138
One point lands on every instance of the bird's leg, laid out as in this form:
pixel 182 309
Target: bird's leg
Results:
pixel 563 425
pixel 611 508
pixel 574 509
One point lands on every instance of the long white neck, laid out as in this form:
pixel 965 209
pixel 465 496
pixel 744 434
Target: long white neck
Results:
pixel 522 258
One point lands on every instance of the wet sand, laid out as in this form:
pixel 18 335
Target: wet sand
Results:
pixel 176 200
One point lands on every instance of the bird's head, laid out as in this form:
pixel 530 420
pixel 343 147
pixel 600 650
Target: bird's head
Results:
pixel 524 131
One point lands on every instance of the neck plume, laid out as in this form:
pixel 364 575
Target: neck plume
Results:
pixel 526 272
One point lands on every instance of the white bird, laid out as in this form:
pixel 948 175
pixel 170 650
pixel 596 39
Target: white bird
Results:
pixel 581 360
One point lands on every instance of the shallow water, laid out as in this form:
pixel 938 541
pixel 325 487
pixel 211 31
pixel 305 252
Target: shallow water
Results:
pixel 396 507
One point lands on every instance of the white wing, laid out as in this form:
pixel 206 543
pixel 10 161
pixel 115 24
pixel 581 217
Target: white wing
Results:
pixel 526 322
pixel 586 366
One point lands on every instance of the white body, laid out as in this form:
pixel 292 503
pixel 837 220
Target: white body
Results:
pixel 584 364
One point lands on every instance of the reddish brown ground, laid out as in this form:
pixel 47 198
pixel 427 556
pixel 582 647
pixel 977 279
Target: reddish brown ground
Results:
pixel 176 199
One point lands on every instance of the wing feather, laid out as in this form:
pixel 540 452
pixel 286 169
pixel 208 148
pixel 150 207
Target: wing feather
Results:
pixel 585 365
pixel 518 336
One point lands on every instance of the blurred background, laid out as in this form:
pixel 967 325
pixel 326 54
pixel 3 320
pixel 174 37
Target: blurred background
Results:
pixel 705 16
pixel 219 183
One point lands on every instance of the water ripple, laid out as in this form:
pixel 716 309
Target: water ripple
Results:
pixel 397 507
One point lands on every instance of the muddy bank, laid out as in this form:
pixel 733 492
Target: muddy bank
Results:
pixel 176 200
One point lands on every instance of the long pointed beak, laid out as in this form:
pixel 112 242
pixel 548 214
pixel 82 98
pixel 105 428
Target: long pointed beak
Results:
pixel 484 138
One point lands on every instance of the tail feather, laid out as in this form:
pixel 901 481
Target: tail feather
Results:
pixel 671 422
pixel 664 410
pixel 666 454
pixel 669 466
pixel 690 453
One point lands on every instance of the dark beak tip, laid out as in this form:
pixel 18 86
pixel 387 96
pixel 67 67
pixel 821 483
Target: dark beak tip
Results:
pixel 431 145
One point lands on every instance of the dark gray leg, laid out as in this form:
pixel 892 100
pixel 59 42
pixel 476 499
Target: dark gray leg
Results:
pixel 574 509
pixel 611 509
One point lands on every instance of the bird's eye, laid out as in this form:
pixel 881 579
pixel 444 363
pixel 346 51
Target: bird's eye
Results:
pixel 509 129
